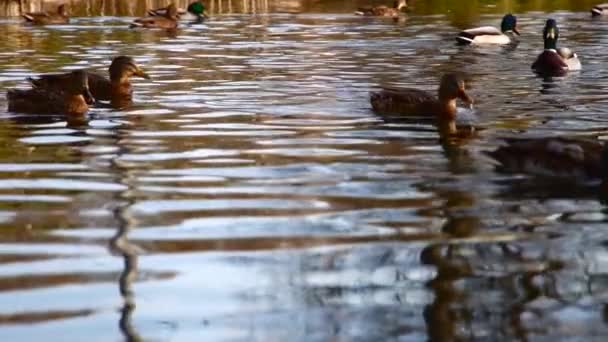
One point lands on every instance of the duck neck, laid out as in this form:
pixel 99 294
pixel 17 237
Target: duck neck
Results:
pixel 447 109
pixel 550 44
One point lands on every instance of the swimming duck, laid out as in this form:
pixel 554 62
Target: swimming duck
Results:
pixel 577 160
pixel 489 34
pixel 166 21
pixel 73 99
pixel 599 10
pixel 196 8
pixel 383 11
pixel 46 18
pixel 554 61
pixel 117 89
pixel 403 102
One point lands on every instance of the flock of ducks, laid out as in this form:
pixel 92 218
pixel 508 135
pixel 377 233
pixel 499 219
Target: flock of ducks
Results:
pixel 567 158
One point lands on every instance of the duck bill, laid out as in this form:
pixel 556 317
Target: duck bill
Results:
pixel 465 98
pixel 88 97
pixel 141 74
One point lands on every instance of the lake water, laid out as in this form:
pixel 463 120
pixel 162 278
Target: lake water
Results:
pixel 250 194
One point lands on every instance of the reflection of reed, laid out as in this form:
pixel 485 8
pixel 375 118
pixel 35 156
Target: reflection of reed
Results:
pixel 121 245
pixel 136 7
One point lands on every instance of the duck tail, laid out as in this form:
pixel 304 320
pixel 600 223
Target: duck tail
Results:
pixel 359 13
pixel 28 17
pixel 465 38
pixel 595 11
pixel 136 25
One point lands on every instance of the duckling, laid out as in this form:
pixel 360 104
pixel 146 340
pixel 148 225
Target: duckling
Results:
pixel 117 89
pixel 577 160
pixel 553 61
pixel 489 34
pixel 45 18
pixel 166 21
pixel 599 10
pixel 73 99
pixel 383 11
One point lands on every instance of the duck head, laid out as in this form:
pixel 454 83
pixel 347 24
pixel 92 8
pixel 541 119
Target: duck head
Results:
pixel 123 67
pixel 62 11
pixel 509 23
pixel 452 87
pixel 400 4
pixel 79 85
pixel 172 12
pixel 196 8
pixel 550 34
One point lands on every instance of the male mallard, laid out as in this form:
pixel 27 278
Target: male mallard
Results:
pixel 489 34
pixel 573 159
pixel 117 89
pixel 72 99
pixel 383 11
pixel 197 8
pixel 599 10
pixel 46 18
pixel 553 61
pixel 166 21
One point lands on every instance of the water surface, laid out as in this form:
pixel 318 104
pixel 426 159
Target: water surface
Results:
pixel 251 194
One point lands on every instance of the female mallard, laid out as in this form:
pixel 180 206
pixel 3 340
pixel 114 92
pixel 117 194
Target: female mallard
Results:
pixel 72 99
pixel 166 21
pixel 46 18
pixel 383 11
pixel 553 61
pixel 573 159
pixel 117 89
pixel 489 34
pixel 599 10
pixel 408 101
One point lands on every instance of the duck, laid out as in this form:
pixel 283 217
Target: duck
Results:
pixel 554 61
pixel 403 102
pixel 117 89
pixel 46 18
pixel 166 21
pixel 599 10
pixel 382 10
pixel 572 159
pixel 491 35
pixel 196 8
pixel 73 99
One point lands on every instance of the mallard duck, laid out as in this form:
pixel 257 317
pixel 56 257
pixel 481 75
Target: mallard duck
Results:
pixel 395 103
pixel 408 101
pixel 383 11
pixel 489 34
pixel 599 10
pixel 573 159
pixel 72 99
pixel 554 61
pixel 46 18
pixel 196 8
pixel 117 89
pixel 166 21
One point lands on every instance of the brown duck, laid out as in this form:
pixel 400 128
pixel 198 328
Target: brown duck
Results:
pixel 403 102
pixel 575 160
pixel 72 99
pixel 46 18
pixel 117 89
pixel 166 21
pixel 383 11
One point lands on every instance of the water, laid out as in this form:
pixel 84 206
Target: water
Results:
pixel 251 194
